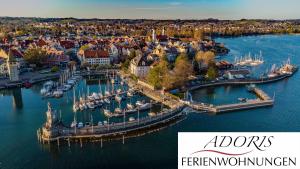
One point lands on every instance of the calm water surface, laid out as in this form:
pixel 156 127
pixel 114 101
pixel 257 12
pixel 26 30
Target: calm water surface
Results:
pixel 23 111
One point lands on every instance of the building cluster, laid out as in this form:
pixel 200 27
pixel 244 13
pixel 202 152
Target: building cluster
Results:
pixel 91 50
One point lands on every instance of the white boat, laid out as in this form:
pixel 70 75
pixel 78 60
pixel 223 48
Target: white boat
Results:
pixel 95 96
pixel 152 114
pixel 139 103
pixel 76 107
pixel 107 112
pixel 131 119
pixel 118 98
pixel 118 110
pixel 91 105
pixel 130 93
pixel 145 106
pixel 73 124
pixel 100 95
pixel 107 93
pixel 58 93
pixel 130 106
pixel 287 68
pixel 249 60
pixel 43 91
pixel 106 100
pixel 119 91
pixel 80 125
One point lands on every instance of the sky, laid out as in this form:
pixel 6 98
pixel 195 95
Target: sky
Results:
pixel 153 9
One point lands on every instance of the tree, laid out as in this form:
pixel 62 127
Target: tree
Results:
pixel 153 77
pixel 198 34
pixel 182 71
pixel 204 59
pixel 211 73
pixel 157 75
pixel 35 56
pixel 54 69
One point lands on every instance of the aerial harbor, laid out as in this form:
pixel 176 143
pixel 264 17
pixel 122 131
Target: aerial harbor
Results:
pixel 112 84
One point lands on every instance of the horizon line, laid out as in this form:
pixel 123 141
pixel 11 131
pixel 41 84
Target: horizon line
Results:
pixel 161 19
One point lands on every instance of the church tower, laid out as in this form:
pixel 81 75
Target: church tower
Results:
pixel 153 35
pixel 12 67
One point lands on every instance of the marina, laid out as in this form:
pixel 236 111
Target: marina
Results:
pixel 53 130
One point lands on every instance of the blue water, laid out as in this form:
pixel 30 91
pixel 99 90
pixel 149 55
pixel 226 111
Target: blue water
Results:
pixel 19 119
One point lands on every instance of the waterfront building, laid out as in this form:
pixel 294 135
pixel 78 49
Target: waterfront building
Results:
pixel 140 66
pixel 96 57
pixel 237 74
pixel 12 66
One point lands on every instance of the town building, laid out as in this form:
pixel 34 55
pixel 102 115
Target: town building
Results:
pixel 140 66
pixel 95 57
pixel 12 67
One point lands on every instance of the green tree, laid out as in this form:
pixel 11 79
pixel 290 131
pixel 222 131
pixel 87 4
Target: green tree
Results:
pixel 54 69
pixel 35 56
pixel 211 73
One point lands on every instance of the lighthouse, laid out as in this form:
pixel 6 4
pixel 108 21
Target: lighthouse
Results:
pixel 12 67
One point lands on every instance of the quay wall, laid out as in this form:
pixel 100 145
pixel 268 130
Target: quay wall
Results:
pixel 240 82
pixel 116 130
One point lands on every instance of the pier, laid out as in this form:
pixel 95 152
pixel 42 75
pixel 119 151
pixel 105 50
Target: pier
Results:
pixel 53 130
pixel 263 100
pixel 248 81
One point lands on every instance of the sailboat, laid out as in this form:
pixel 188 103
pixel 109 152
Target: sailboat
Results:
pixel 75 105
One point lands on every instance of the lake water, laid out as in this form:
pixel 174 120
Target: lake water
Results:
pixel 23 111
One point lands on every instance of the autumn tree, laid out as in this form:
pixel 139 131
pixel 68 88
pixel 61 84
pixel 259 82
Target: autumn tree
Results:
pixel 35 56
pixel 182 71
pixel 204 59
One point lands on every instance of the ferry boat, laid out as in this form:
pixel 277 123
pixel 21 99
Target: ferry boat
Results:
pixel 287 68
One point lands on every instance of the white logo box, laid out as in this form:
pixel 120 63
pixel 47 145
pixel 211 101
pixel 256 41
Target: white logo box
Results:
pixel 261 150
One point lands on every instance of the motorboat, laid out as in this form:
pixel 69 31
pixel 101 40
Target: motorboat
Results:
pixel 130 106
pixel 106 100
pixel 131 119
pixel 118 98
pixel 152 114
pixel 118 110
pixel 80 125
pixel 58 93
pixel 139 103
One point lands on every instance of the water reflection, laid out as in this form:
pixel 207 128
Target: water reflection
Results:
pixel 17 98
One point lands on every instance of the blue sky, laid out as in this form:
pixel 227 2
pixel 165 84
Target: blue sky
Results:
pixel 154 9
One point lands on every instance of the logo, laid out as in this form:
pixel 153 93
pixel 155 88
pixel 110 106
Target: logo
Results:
pixel 242 150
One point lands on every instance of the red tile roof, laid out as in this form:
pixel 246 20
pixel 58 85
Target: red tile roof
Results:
pixel 96 54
